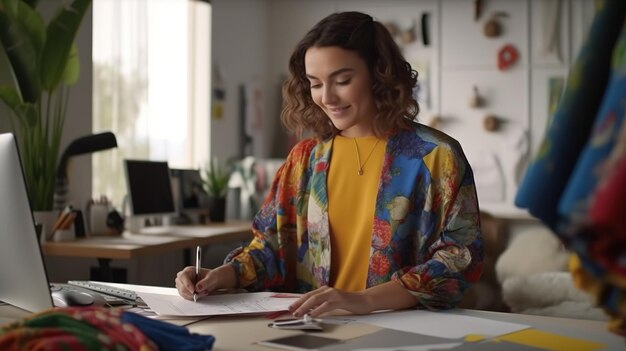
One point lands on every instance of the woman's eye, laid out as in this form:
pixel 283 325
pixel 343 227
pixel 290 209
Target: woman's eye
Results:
pixel 344 82
pixel 315 85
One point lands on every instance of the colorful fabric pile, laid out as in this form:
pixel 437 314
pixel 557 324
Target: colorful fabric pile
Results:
pixel 97 328
pixel 577 183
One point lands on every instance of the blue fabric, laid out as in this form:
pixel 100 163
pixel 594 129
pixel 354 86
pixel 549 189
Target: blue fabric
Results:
pixel 167 336
pixel 547 177
pixel 576 198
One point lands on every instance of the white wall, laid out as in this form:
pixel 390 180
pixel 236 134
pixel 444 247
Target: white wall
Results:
pixel 240 40
pixel 459 57
pixel 518 95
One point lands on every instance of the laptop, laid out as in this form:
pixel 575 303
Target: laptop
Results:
pixel 23 277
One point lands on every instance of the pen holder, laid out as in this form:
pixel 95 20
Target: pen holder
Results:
pixel 97 219
pixel 64 235
pixel 103 219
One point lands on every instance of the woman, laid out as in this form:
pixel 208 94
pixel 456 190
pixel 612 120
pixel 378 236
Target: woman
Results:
pixel 376 211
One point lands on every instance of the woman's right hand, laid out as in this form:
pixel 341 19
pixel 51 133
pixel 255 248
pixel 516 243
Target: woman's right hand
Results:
pixel 186 281
pixel 209 280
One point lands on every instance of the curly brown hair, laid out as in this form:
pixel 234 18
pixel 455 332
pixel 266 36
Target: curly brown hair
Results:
pixel 392 76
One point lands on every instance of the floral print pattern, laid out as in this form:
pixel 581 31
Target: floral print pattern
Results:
pixel 426 231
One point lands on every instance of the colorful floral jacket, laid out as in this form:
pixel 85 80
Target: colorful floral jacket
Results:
pixel 426 233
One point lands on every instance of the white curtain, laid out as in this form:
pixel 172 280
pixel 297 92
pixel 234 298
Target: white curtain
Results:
pixel 140 86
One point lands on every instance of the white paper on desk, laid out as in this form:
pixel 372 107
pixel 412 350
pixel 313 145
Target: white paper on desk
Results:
pixel 213 305
pixel 443 324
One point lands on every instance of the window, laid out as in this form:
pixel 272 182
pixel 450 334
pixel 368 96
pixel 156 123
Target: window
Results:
pixel 150 86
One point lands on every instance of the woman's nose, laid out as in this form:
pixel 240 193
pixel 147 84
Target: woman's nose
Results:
pixel 328 96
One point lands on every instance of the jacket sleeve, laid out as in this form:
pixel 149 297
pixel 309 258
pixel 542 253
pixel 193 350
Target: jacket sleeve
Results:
pixel 451 258
pixel 268 261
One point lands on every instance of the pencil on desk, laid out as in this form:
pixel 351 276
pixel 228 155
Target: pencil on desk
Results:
pixel 65 222
pixel 58 224
pixel 61 218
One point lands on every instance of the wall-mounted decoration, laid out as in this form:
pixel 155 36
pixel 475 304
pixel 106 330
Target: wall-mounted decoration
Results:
pixel 478 8
pixel 507 56
pixel 493 27
pixel 219 94
pixel 425 28
pixel 476 100
pixel 407 36
pixel 435 121
pixel 492 123
pixel 405 30
pixel 392 28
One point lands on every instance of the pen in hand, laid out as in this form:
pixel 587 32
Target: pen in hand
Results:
pixel 198 259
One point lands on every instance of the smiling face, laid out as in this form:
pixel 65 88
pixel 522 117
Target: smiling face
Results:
pixel 341 86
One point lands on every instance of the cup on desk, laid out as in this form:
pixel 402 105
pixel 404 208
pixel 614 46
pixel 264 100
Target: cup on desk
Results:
pixel 97 218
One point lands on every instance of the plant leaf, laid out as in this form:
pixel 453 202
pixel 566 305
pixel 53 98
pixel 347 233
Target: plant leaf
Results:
pixel 26 112
pixel 33 24
pixel 22 33
pixel 32 3
pixel 10 97
pixel 215 179
pixel 60 36
pixel 72 68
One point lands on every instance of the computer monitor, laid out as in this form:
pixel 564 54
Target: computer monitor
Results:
pixel 190 192
pixel 189 195
pixel 23 277
pixel 149 188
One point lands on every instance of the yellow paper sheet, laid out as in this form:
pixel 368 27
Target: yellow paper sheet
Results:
pixel 550 341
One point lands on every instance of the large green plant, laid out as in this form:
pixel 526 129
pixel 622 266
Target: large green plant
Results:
pixel 43 61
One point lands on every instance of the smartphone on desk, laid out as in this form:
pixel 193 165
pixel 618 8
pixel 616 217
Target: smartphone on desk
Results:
pixel 300 342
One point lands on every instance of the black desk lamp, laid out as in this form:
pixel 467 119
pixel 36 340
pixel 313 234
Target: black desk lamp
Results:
pixel 80 146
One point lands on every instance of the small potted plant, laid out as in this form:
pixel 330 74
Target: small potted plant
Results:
pixel 215 181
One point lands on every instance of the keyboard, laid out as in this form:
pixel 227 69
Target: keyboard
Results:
pixel 105 289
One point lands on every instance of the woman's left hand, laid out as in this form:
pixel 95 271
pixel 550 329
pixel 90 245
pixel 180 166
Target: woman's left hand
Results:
pixel 327 299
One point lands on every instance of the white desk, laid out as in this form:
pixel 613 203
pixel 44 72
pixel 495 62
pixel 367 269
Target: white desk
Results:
pixel 242 333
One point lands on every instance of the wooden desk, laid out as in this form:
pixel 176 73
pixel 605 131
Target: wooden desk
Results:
pixel 129 246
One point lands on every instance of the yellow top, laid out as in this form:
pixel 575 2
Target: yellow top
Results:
pixel 351 203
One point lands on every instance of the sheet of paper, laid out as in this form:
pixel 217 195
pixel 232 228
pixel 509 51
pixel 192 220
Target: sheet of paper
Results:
pixel 394 340
pixel 443 324
pixel 549 341
pixel 227 304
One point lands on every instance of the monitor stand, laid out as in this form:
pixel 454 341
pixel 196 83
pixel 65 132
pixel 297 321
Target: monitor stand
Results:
pixel 192 217
pixel 148 225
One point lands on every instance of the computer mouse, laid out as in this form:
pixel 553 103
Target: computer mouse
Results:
pixel 67 298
